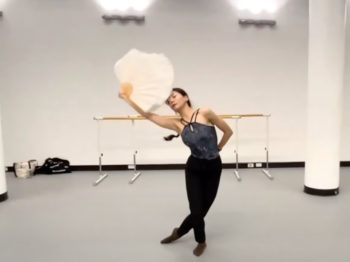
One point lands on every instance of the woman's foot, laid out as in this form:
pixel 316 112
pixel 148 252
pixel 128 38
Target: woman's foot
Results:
pixel 199 250
pixel 174 236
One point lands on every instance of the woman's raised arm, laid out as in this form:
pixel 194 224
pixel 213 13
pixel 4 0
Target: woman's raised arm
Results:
pixel 161 121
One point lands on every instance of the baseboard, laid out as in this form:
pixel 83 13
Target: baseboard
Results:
pixel 3 196
pixel 344 163
pixel 249 165
pixel 321 192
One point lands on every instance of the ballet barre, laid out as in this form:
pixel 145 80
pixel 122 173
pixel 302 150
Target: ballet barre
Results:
pixel 236 117
pixel 265 170
pixel 171 117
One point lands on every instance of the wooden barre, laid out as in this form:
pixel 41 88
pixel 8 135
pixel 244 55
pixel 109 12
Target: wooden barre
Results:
pixel 174 117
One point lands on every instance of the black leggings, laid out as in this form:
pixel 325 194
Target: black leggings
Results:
pixel 202 183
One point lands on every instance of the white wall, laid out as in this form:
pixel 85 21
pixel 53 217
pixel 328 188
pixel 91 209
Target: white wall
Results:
pixel 56 61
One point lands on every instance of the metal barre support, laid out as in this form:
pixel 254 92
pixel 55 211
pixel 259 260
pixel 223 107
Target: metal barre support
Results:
pixel 134 177
pixel 266 171
pixel 101 176
pixel 137 174
pixel 236 170
pixel 236 150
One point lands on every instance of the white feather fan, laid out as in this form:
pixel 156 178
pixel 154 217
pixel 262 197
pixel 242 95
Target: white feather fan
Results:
pixel 148 78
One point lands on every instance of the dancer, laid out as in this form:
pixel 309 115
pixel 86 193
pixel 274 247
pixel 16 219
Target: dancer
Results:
pixel 203 167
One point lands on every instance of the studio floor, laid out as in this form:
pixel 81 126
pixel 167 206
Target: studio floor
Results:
pixel 64 218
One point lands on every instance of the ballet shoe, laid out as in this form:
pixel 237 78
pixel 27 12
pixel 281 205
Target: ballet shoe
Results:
pixel 199 250
pixel 174 236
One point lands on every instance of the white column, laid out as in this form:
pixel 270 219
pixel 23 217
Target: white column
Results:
pixel 3 188
pixel 325 85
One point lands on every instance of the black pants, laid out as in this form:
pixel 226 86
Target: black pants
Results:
pixel 202 183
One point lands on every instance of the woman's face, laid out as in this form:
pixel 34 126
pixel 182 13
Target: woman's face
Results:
pixel 176 101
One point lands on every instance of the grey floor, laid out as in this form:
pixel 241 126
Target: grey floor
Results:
pixel 64 218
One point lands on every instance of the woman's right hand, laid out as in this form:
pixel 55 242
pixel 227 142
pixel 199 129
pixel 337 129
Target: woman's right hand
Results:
pixel 123 95
pixel 125 91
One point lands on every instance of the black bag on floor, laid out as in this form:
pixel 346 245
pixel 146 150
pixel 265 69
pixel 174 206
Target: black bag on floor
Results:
pixel 54 166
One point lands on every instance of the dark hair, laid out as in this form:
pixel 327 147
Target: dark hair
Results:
pixel 183 93
pixel 170 137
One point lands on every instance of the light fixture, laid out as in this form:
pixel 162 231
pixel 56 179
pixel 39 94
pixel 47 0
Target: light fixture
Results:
pixel 257 22
pixel 140 19
pixel 256 6
pixel 124 11
pixel 124 5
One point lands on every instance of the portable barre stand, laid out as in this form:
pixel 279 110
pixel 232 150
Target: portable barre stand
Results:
pixel 102 175
pixel 265 170
pixel 236 129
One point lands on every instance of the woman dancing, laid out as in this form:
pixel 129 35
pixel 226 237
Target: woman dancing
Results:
pixel 203 167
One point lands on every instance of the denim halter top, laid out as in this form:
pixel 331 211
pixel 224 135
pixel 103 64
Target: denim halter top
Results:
pixel 200 138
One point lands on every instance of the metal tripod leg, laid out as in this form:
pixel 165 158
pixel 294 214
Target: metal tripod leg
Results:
pixel 101 176
pixel 137 173
pixel 266 171
pixel 236 170
pixel 236 150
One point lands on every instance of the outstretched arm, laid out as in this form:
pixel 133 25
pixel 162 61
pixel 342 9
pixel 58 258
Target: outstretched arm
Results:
pixel 221 124
pixel 157 119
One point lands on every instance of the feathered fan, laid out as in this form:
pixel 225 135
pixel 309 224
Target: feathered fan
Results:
pixel 147 78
